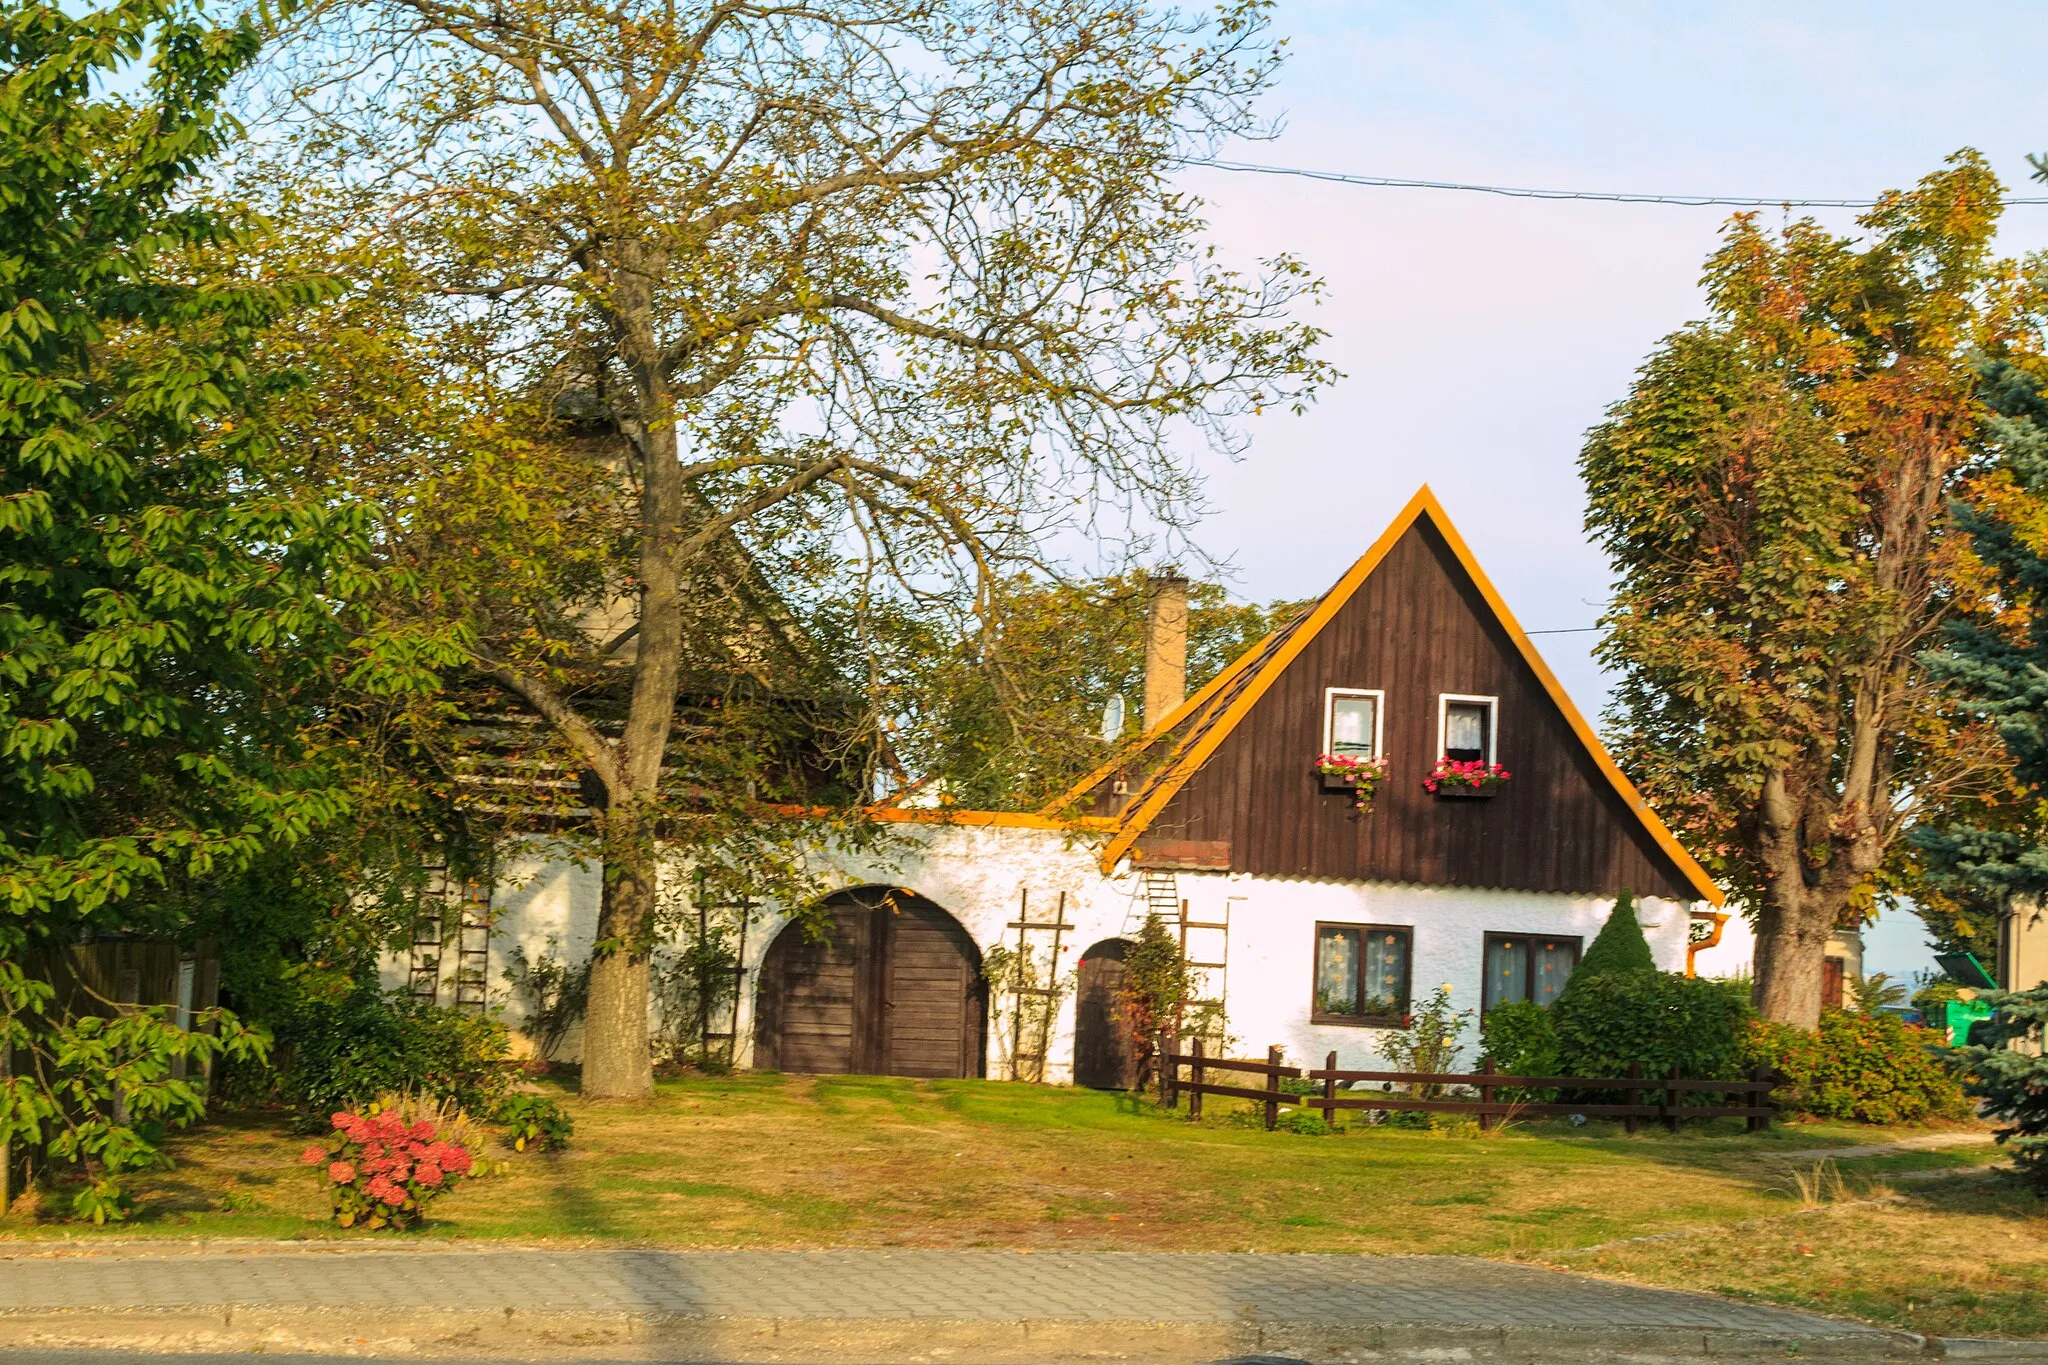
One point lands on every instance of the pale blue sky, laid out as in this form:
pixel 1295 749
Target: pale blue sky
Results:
pixel 1482 336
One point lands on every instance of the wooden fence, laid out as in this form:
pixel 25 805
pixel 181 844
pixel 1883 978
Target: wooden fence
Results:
pixel 1643 1097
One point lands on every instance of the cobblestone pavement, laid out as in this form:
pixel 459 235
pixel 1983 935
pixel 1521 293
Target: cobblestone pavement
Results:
pixel 952 1286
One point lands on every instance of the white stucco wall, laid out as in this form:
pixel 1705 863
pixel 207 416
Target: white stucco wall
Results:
pixel 1272 949
pixel 979 874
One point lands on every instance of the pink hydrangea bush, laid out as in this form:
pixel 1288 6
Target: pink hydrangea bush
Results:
pixel 382 1171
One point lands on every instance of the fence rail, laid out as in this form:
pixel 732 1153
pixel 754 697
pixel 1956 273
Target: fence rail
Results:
pixel 1643 1096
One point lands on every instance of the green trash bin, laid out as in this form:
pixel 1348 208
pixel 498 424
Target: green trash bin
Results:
pixel 1962 1014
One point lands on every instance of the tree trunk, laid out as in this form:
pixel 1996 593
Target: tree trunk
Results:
pixel 617 1052
pixel 1791 942
pixel 618 1057
pixel 1797 914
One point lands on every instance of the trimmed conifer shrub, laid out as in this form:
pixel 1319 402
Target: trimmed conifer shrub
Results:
pixel 1620 946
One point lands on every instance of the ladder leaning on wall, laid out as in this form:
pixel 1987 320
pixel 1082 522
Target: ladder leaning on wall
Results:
pixel 472 905
pixel 1024 995
pixel 423 967
pixel 1204 944
pixel 1205 948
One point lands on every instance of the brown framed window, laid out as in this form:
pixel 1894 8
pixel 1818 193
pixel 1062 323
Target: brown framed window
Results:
pixel 1834 976
pixel 1362 974
pixel 1527 967
pixel 1466 727
pixel 1352 720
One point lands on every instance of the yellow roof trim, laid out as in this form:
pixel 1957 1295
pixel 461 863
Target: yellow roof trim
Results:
pixel 1424 503
pixel 1173 718
pixel 1136 821
pixel 1004 819
pixel 948 815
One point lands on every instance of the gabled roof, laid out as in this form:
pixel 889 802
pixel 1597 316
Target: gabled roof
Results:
pixel 1174 750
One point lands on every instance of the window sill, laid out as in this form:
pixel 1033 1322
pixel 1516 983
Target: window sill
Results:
pixel 1466 793
pixel 1358 1020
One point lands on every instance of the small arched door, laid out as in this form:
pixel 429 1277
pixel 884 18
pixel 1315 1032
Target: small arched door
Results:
pixel 893 989
pixel 1103 1056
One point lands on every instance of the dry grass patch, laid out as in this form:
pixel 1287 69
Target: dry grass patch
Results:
pixel 789 1161
pixel 1965 1257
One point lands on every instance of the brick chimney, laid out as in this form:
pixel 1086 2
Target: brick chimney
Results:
pixel 1166 646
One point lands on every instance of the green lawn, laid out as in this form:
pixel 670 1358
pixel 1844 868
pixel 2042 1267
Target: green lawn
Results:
pixel 787 1161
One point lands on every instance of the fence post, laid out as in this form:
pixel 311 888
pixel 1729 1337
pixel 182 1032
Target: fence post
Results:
pixel 1273 1088
pixel 1628 1097
pixel 1195 1091
pixel 1671 1099
pixel 1330 1092
pixel 1760 1101
pixel 1164 1071
pixel 1486 1069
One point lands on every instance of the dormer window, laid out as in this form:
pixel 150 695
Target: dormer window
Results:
pixel 1351 722
pixel 1465 728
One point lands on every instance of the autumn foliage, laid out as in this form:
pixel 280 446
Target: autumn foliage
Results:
pixel 1775 498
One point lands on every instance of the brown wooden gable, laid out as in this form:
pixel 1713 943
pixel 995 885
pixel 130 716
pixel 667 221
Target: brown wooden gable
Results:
pixel 1229 781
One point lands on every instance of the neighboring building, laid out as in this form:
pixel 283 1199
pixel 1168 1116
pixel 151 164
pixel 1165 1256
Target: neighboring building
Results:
pixel 1725 946
pixel 1313 925
pixel 2022 947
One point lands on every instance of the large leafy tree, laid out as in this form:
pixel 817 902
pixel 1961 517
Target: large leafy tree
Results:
pixel 1773 496
pixel 167 616
pixel 869 299
pixel 1007 714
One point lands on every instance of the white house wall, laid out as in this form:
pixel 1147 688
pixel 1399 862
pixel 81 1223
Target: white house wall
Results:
pixel 979 874
pixel 545 901
pixel 1272 949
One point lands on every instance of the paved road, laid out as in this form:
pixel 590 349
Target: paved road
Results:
pixel 881 1286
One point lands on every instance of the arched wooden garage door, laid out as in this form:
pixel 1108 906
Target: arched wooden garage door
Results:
pixel 1103 1055
pixel 893 990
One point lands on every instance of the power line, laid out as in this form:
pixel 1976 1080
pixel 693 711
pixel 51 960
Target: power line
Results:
pixel 1386 182
pixel 1572 630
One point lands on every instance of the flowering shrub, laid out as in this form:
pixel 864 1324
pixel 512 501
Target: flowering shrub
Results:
pixel 1364 775
pixel 1450 774
pixel 1429 1041
pixel 384 1167
pixel 1875 1069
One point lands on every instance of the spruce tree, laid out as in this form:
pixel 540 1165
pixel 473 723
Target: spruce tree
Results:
pixel 1999 665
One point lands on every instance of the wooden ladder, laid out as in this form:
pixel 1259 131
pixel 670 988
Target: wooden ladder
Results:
pixel 706 1034
pixel 1213 975
pixel 473 949
pixel 423 966
pixel 1048 994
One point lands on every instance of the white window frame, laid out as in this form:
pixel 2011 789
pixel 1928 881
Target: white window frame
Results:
pixel 1443 720
pixel 1379 715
